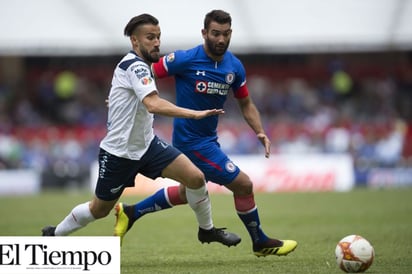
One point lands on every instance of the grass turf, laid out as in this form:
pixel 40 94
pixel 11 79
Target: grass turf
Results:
pixel 166 242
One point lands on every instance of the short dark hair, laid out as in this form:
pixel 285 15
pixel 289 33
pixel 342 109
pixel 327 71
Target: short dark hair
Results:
pixel 219 16
pixel 139 20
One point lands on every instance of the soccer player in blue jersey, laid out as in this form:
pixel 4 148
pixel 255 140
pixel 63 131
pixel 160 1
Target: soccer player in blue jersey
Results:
pixel 204 75
pixel 131 147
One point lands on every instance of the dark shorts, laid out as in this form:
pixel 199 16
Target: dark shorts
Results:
pixel 214 163
pixel 115 173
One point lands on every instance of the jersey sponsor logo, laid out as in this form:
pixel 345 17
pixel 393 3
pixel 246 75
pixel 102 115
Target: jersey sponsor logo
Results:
pixel 211 87
pixel 170 57
pixel 140 70
pixel 102 168
pixel 146 80
pixel 230 78
pixel 230 166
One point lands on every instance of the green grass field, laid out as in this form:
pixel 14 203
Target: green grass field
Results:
pixel 166 242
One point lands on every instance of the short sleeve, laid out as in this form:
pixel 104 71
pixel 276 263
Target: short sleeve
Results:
pixel 142 80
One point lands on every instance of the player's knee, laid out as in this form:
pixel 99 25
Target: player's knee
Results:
pixel 244 189
pixel 241 187
pixel 196 180
pixel 245 183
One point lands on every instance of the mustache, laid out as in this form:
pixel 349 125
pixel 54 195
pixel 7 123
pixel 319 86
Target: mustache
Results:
pixel 221 45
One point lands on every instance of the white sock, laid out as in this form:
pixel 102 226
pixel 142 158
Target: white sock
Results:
pixel 79 217
pixel 199 201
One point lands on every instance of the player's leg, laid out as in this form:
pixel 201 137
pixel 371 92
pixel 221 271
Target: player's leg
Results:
pixel 166 161
pixel 127 215
pixel 174 195
pixel 162 199
pixel 185 172
pixel 156 159
pixel 218 168
pixel 114 175
pixel 80 216
pixel 242 188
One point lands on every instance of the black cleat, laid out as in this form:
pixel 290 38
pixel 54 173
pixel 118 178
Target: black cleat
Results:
pixel 48 231
pixel 218 235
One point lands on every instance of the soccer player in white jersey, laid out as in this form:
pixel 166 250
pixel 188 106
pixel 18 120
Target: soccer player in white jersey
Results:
pixel 131 147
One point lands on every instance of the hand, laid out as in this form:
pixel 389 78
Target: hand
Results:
pixel 265 142
pixel 200 114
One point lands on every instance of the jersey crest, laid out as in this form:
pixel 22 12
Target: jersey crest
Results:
pixel 230 78
pixel 230 167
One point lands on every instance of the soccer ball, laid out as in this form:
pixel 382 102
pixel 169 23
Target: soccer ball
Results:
pixel 354 254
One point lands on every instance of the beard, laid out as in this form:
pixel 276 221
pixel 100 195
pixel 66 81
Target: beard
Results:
pixel 152 56
pixel 215 49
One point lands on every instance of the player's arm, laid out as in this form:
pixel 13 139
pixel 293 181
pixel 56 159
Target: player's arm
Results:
pixel 159 69
pixel 157 105
pixel 171 64
pixel 252 117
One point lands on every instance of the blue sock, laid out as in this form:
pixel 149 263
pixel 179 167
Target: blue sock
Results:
pixel 252 223
pixel 151 204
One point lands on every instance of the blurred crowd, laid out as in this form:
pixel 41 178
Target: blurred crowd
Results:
pixel 53 111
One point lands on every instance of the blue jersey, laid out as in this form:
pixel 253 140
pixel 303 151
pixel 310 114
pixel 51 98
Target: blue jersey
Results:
pixel 201 83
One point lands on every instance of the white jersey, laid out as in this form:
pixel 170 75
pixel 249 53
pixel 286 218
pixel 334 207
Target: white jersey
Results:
pixel 129 124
